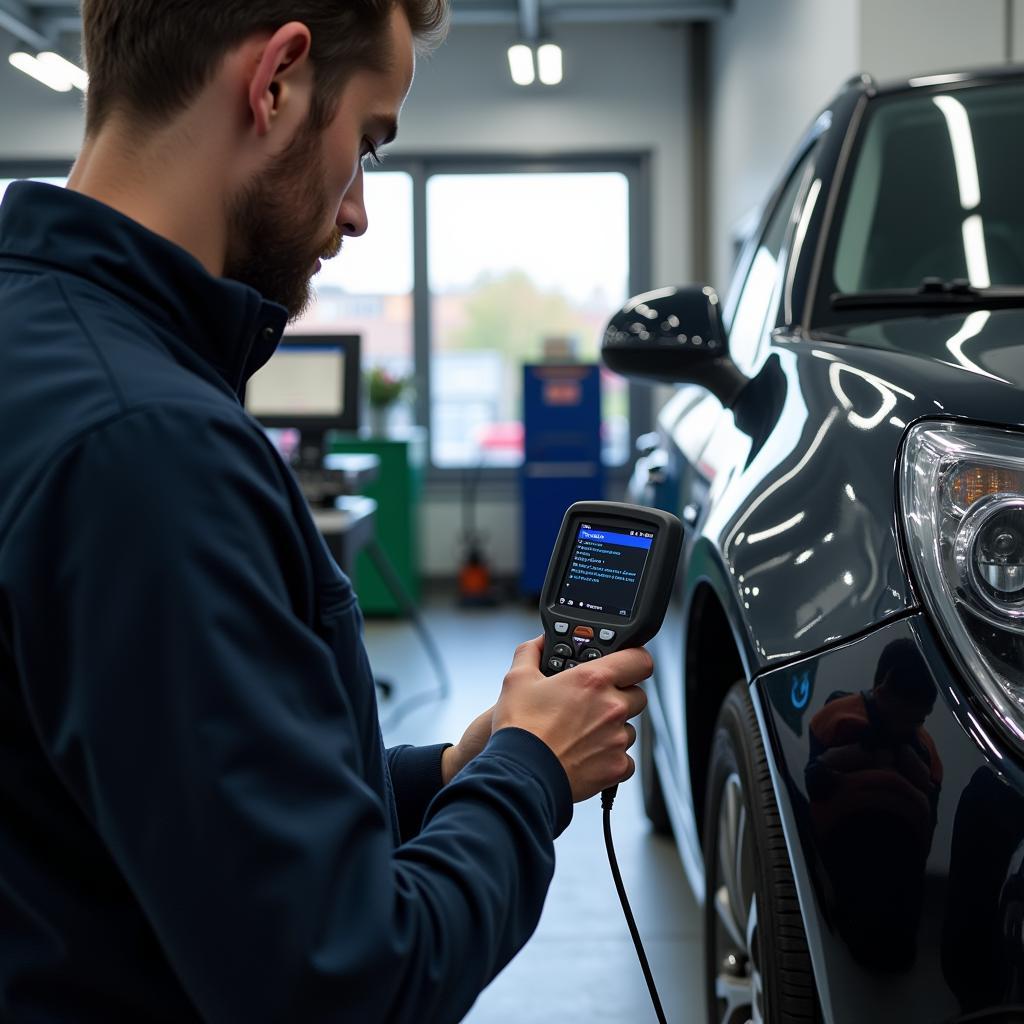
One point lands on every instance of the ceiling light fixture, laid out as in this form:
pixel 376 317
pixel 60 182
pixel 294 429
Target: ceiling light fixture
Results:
pixel 47 74
pixel 60 65
pixel 549 63
pixel 520 63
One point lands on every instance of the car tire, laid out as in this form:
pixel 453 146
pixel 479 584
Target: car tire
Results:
pixel 650 784
pixel 757 967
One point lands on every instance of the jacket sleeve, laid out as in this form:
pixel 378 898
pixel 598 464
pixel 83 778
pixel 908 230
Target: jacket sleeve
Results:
pixel 416 778
pixel 201 727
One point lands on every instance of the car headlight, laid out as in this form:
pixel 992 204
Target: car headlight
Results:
pixel 962 490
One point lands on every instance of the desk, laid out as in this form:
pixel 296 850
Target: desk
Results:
pixel 347 528
pixel 357 471
pixel 348 523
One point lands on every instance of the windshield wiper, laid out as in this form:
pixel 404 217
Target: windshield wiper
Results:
pixel 933 293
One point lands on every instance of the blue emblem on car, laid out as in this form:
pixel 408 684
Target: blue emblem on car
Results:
pixel 800 693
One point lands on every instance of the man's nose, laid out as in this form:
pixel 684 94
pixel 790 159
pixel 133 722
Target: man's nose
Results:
pixel 352 218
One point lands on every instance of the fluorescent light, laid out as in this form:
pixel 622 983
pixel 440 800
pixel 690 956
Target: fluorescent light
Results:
pixel 56 80
pixel 972 326
pixel 774 531
pixel 962 140
pixel 60 66
pixel 549 61
pixel 938 79
pixel 975 252
pixel 520 63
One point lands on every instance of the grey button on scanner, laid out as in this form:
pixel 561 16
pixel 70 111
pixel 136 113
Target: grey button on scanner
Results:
pixel 561 627
pixel 606 634
pixel 556 664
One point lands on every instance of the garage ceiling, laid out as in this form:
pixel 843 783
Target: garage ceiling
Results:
pixel 42 23
pixel 549 12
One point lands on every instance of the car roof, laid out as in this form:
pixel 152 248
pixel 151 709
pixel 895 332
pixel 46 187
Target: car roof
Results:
pixel 866 83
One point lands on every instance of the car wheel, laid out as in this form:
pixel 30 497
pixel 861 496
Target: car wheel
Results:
pixel 757 967
pixel 650 784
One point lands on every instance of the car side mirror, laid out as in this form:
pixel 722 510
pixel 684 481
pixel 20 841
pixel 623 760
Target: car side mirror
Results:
pixel 674 335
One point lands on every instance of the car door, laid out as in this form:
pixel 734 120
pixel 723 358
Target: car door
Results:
pixel 701 440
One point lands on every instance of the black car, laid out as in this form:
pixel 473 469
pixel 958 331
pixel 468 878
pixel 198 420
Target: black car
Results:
pixel 836 727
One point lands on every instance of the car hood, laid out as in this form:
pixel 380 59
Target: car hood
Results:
pixel 987 344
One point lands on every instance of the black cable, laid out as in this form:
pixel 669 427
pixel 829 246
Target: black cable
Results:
pixel 394 583
pixel 606 806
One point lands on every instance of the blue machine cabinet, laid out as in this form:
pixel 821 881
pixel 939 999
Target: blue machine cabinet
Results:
pixel 562 456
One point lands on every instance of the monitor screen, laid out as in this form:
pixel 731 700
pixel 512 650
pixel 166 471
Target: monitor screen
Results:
pixel 605 569
pixel 311 383
pixel 299 381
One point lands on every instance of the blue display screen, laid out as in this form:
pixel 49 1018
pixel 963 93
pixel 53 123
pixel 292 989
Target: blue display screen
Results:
pixel 605 569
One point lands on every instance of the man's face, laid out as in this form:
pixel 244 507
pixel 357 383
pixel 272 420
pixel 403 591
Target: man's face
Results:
pixel 298 210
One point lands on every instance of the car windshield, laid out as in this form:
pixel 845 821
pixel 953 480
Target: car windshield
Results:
pixel 936 192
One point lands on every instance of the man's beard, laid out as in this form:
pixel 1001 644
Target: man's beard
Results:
pixel 273 226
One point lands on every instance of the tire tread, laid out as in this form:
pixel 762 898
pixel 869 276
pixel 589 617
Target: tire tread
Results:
pixel 790 993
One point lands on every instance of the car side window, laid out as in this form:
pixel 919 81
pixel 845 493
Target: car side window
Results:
pixel 760 292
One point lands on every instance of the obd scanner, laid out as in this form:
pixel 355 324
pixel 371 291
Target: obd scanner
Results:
pixel 607 588
pixel 608 582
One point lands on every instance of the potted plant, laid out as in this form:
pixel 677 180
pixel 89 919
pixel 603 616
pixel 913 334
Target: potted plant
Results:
pixel 383 390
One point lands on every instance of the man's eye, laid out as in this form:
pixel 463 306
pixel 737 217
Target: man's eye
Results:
pixel 371 155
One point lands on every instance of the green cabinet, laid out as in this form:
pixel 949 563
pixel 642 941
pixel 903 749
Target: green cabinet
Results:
pixel 397 493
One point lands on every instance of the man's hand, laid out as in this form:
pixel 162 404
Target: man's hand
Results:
pixel 582 714
pixel 474 739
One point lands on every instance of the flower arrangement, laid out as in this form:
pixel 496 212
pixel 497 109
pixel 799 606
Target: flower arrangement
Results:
pixel 383 388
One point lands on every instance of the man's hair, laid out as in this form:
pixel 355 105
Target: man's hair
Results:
pixel 148 59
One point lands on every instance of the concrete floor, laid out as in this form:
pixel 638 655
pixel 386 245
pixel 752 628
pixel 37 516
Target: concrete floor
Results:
pixel 580 965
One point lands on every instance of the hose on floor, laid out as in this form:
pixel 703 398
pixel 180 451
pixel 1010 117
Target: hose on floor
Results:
pixel 398 590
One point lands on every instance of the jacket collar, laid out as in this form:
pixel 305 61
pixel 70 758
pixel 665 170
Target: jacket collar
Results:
pixel 227 323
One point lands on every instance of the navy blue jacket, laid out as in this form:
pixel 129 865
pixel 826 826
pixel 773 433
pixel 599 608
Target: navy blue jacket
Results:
pixel 198 819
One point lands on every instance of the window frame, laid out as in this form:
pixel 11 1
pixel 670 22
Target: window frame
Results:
pixel 635 167
pixel 800 173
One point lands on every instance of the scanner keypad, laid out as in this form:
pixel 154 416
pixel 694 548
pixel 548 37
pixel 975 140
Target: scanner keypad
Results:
pixel 574 645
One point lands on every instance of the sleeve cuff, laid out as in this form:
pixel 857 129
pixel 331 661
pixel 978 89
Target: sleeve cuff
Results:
pixel 536 756
pixel 416 779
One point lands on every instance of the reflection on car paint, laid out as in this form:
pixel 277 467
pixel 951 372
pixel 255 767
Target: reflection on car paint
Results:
pixel 873 778
pixel 960 956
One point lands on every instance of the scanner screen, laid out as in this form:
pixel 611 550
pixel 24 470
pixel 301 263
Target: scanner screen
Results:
pixel 605 569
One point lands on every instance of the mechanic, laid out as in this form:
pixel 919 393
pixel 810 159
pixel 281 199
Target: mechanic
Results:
pixel 198 819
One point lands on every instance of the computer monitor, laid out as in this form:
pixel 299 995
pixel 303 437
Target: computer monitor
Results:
pixel 311 383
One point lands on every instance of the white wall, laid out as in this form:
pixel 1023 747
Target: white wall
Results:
pixel 1017 29
pixel 901 39
pixel 774 65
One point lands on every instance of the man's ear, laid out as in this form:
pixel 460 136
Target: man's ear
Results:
pixel 274 84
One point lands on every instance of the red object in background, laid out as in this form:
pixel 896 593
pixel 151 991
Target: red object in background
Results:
pixel 474 579
pixel 504 437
